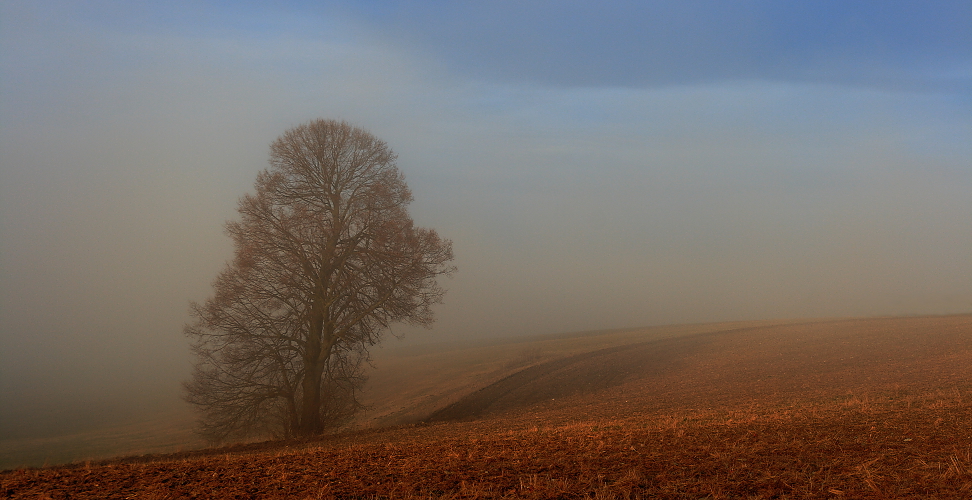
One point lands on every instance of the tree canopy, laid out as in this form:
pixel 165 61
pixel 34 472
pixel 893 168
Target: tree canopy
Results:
pixel 327 258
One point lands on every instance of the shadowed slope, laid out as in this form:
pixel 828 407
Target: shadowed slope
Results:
pixel 775 361
pixel 584 373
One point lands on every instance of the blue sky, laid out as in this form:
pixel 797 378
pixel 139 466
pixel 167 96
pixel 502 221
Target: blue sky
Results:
pixel 597 165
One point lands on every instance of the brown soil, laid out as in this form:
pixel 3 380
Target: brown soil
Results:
pixel 876 408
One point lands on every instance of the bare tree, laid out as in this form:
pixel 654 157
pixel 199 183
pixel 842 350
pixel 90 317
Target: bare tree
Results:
pixel 326 259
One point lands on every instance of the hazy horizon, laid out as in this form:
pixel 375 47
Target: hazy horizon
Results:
pixel 596 167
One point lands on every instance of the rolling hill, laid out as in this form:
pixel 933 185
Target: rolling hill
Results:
pixel 878 407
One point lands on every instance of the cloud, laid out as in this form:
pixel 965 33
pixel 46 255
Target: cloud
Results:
pixel 870 43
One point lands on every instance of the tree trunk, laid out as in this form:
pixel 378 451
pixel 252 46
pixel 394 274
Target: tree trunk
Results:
pixel 314 357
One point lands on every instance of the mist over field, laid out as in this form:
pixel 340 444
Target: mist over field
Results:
pixel 595 167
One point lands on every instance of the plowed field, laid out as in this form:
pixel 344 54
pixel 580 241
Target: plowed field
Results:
pixel 875 408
